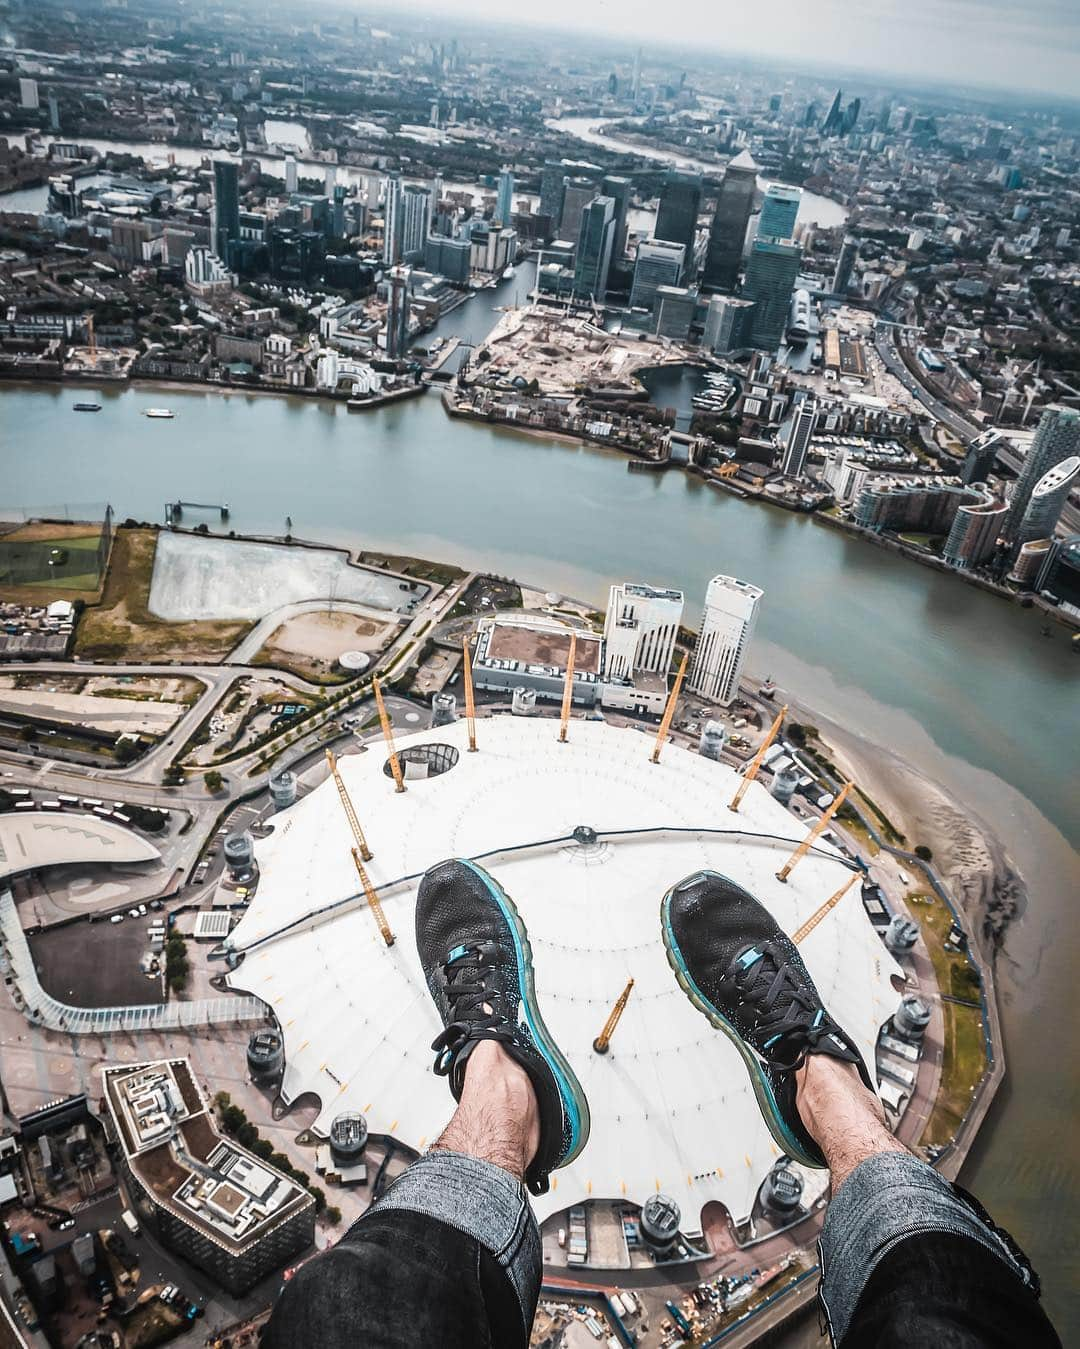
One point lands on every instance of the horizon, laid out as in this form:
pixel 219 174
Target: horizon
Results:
pixel 990 47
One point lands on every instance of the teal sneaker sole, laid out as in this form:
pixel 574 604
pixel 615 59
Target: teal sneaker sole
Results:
pixel 763 1091
pixel 573 1096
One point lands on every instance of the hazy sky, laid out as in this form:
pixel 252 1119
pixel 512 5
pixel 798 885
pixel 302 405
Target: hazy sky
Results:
pixel 1015 44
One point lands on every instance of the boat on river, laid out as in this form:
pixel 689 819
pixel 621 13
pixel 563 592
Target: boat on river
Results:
pixel 86 407
pixel 159 412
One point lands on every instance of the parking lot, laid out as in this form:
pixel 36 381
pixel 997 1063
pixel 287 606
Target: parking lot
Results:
pixel 96 964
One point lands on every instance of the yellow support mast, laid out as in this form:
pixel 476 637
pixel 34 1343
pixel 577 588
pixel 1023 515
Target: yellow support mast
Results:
pixel 603 1040
pixel 350 814
pixel 470 705
pixel 388 736
pixel 815 833
pixel 819 914
pixel 752 772
pixel 669 712
pixel 568 690
pixel 373 900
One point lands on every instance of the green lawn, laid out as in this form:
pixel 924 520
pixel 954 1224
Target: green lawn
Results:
pixel 964 1057
pixel 25 562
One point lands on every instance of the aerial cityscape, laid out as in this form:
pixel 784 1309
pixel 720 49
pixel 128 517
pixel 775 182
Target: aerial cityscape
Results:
pixel 605 457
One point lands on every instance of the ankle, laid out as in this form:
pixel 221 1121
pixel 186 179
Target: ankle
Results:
pixel 497 1119
pixel 844 1118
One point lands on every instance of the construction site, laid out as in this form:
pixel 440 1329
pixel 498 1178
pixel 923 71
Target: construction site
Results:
pixel 566 355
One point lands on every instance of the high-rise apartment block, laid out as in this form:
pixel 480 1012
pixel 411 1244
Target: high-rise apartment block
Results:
pixel 727 624
pixel 1056 439
pixel 1045 504
pixel 803 421
pixel 504 201
pixel 640 630
pixel 226 206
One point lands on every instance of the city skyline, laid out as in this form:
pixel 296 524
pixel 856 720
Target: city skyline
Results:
pixel 984 44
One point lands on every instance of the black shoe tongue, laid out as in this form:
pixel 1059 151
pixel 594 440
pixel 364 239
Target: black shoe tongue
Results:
pixel 833 1044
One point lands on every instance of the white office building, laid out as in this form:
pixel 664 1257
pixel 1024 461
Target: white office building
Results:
pixel 659 263
pixel 727 624
pixel 28 94
pixel 640 630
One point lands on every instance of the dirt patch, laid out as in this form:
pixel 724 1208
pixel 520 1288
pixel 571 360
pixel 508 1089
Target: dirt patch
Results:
pixel 310 644
pixel 121 626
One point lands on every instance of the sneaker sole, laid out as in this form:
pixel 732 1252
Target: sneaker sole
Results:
pixel 573 1097
pixel 770 1111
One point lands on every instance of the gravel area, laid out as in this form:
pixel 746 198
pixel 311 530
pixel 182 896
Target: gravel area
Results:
pixel 200 578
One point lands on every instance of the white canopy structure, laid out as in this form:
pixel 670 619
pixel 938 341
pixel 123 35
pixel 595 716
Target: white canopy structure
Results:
pixel 35 839
pixel 672 1108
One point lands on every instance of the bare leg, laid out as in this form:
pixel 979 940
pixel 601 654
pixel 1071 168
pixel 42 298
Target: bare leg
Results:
pixel 497 1118
pixel 845 1120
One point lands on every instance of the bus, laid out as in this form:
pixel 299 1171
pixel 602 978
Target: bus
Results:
pixel 130 1222
pixel 19 793
pixel 67 800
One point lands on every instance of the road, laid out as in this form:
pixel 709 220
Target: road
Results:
pixel 886 349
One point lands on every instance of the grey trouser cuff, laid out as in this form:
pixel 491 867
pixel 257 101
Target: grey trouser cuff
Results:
pixel 483 1201
pixel 890 1196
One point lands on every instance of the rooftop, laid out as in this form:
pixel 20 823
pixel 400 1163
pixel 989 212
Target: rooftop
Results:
pixel 172 1145
pixel 672 1106
pixel 539 643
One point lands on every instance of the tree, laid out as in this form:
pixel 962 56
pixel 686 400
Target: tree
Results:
pixel 332 1214
pixel 213 780
pixel 923 852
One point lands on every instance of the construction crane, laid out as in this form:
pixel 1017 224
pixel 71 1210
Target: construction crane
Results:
pixel 388 735
pixel 568 689
pixel 350 814
pixel 669 712
pixel 815 833
pixel 819 914
pixel 603 1040
pixel 752 772
pixel 373 900
pixel 470 705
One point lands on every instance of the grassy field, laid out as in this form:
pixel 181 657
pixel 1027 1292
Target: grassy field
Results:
pixel 121 625
pixel 964 1056
pixel 25 574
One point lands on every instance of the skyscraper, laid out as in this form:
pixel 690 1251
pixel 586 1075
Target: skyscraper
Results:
pixel 770 280
pixel 397 313
pixel 28 94
pixel 727 234
pixel 640 630
pixel 659 263
pixel 845 265
pixel 680 205
pixel 226 206
pixel 416 219
pixel 504 202
pixel 552 183
pixel 392 222
pixel 593 258
pixel 727 324
pixel 778 212
pixel 1044 506
pixel 803 421
pixel 1057 439
pixel 577 194
pixel 727 624
pixel 834 117
pixel 291 175
pixel 618 189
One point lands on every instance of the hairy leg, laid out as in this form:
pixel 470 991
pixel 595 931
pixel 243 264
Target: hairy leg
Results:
pixel 497 1118
pixel 845 1120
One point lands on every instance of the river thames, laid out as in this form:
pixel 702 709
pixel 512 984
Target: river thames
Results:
pixel 959 683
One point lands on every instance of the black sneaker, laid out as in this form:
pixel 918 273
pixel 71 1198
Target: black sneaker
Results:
pixel 735 964
pixel 478 964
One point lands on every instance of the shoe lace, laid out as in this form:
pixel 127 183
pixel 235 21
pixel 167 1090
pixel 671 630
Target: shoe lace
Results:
pixel 476 1006
pixel 788 1015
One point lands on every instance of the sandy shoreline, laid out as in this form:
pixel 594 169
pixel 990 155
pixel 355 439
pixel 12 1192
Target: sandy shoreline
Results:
pixel 966 854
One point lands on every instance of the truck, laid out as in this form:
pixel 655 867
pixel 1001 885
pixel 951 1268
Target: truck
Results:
pixel 130 1222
